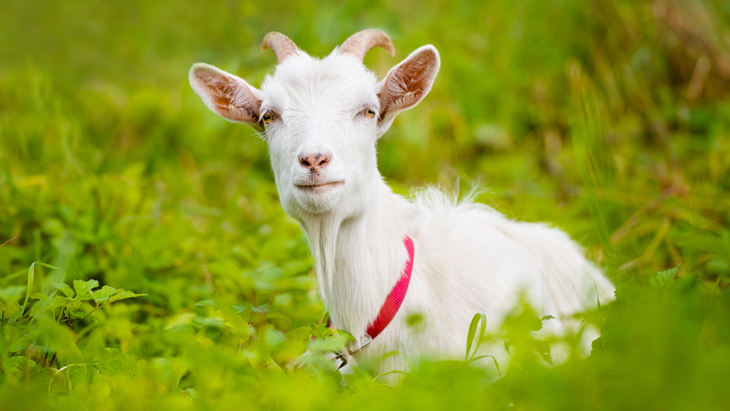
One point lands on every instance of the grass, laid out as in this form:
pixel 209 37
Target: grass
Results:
pixel 610 120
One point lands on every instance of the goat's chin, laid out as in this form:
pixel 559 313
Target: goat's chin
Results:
pixel 318 199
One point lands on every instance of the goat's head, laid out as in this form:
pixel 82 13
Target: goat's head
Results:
pixel 321 117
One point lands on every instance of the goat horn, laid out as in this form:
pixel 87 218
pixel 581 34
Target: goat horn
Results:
pixel 282 45
pixel 361 42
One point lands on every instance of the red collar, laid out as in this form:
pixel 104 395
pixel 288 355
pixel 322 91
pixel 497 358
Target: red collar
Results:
pixel 396 296
pixel 387 311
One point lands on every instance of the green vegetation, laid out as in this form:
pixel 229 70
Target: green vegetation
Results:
pixel 610 120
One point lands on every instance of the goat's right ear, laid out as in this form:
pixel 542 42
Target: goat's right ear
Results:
pixel 227 95
pixel 407 84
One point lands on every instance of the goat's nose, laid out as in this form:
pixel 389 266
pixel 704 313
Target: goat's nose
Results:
pixel 315 161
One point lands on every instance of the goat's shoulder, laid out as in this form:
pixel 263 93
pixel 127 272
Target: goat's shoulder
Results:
pixel 462 239
pixel 471 241
pixel 440 217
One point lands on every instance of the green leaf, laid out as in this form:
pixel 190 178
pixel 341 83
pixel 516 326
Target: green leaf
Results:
pixel 123 296
pixel 236 323
pixel 496 364
pixel 48 303
pixel 20 344
pixel 347 335
pixel 321 330
pixel 31 277
pixel 83 288
pixel 78 313
pixel 13 312
pixel 11 292
pixel 207 303
pixel 283 318
pixel 113 361
pixel 47 265
pixel 662 278
pixel 65 288
pixel 86 297
pixel 17 363
pixel 263 309
pixel 389 373
pixel 478 317
pixel 334 343
pixel 61 339
pixel 543 348
pixel 301 333
pixel 38 296
pixel 238 308
pixel 104 293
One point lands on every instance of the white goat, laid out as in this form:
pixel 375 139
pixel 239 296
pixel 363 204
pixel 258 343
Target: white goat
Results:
pixel 322 119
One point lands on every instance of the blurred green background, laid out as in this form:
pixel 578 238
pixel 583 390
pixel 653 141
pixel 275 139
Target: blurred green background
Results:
pixel 610 120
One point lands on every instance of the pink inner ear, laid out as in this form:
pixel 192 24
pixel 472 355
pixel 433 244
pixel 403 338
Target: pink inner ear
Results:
pixel 226 95
pixel 234 99
pixel 408 83
pixel 221 90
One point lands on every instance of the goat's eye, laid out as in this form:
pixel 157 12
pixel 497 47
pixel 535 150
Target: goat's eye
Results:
pixel 268 117
pixel 369 113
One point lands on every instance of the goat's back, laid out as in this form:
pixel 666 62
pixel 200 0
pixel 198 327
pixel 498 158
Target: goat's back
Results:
pixel 470 259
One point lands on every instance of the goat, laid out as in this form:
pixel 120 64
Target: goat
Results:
pixel 322 119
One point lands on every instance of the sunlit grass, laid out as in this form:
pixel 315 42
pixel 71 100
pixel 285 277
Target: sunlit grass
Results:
pixel 610 120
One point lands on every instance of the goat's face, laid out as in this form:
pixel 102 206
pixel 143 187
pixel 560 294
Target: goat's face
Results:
pixel 321 119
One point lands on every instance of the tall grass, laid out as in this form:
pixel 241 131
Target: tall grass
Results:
pixel 610 120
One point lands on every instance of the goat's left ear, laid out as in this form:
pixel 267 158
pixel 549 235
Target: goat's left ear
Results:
pixel 227 95
pixel 407 84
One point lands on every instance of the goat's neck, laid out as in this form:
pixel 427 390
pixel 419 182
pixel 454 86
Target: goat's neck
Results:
pixel 360 257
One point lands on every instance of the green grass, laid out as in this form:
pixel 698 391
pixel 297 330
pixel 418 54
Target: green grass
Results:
pixel 610 120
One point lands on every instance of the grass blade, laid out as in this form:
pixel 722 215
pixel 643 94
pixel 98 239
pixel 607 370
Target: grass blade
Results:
pixel 31 278
pixel 40 310
pixel 496 364
pixel 478 317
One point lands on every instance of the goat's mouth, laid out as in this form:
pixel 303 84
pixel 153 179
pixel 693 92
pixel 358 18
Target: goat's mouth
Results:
pixel 319 187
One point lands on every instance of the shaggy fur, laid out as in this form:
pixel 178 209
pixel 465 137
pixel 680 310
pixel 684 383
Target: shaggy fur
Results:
pixel 468 257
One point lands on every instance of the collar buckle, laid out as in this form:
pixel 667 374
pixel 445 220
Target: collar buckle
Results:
pixel 342 358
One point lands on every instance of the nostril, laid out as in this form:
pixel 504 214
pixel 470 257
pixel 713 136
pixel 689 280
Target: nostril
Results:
pixel 314 161
pixel 321 159
pixel 304 160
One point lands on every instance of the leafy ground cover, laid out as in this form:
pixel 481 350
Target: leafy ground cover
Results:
pixel 610 120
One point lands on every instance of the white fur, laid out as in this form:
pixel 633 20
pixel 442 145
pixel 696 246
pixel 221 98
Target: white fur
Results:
pixel 468 257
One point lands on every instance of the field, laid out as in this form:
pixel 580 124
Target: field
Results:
pixel 149 265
